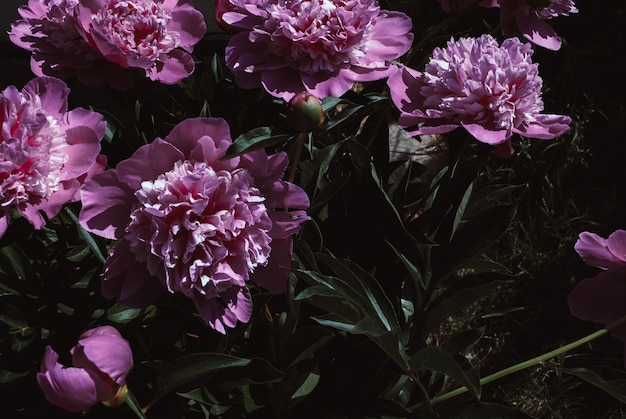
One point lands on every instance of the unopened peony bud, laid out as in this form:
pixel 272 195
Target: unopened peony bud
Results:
pixel 102 359
pixel 306 112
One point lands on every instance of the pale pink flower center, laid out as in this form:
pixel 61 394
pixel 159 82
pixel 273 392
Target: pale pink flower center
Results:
pixel 31 152
pixel 318 35
pixel 205 229
pixel 484 83
pixel 137 27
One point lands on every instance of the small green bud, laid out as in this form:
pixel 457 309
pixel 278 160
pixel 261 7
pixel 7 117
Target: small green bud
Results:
pixel 306 112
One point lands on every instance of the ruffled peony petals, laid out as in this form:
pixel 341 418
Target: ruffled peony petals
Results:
pixel 304 54
pixel 193 222
pixel 459 88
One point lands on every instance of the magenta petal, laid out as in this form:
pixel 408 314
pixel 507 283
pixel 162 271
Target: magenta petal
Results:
pixel 147 163
pixel 594 251
pixel 601 299
pixel 51 91
pixel 72 389
pixel 128 280
pixel 186 134
pixel 107 354
pixel 106 205
pixel 286 195
pixel 546 127
pixel 616 244
pixel 232 305
pixel 175 68
pixel 486 135
pixel 537 31
pixel 273 277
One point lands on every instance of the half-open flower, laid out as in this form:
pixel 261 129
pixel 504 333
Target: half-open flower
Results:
pixel 102 359
pixel 189 222
pixel 46 151
pixel 318 46
pixel 490 90
pixel 602 298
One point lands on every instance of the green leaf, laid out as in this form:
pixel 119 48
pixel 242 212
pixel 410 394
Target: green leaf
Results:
pixel 193 367
pixel 435 359
pixel 7 376
pixel 86 236
pixel 307 386
pixel 15 263
pixel 122 314
pixel 615 388
pixel 255 139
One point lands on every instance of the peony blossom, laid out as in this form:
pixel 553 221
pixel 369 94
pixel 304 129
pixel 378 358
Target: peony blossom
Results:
pixel 102 359
pixel 189 222
pixel 523 17
pixel 490 90
pixel 318 46
pixel 99 40
pixel 46 151
pixel 602 298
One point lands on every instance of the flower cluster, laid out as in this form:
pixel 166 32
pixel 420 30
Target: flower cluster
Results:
pixel 192 223
pixel 102 359
pixel 491 90
pixel 602 298
pixel 99 40
pixel 318 46
pixel 46 151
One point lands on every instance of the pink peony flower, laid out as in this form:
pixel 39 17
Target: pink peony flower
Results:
pixel 523 17
pixel 321 46
pixel 48 29
pixel 192 223
pixel 99 40
pixel 46 151
pixel 528 18
pixel 602 298
pixel 102 359
pixel 492 91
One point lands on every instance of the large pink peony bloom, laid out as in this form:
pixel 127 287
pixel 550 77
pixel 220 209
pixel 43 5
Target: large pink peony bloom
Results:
pixel 102 359
pixel 321 46
pixel 189 222
pixel 490 90
pixel 602 298
pixel 46 151
pixel 523 17
pixel 99 40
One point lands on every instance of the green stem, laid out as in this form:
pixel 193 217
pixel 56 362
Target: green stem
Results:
pixel 132 402
pixel 532 362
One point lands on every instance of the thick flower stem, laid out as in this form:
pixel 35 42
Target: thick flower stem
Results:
pixel 531 362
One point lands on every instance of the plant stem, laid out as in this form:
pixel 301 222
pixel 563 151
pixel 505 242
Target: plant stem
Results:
pixel 132 402
pixel 296 158
pixel 531 362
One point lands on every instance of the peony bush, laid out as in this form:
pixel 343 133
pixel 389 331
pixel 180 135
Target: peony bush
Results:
pixel 311 208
